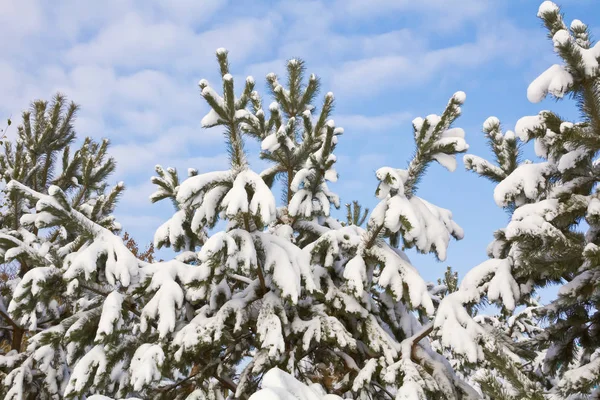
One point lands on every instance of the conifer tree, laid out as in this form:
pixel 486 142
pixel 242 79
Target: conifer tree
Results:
pixel 572 334
pixel 287 288
pixel 545 241
pixel 42 163
pixel 302 153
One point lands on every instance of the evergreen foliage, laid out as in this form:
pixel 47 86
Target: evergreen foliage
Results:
pixel 267 301
pixel 355 214
pixel 549 351
pixel 285 287
pixel 40 163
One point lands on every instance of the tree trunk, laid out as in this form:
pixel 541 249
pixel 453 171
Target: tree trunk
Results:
pixel 290 177
pixel 17 338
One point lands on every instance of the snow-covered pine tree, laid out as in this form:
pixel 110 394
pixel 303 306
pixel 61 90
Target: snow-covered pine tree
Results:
pixel 507 370
pixel 355 316
pixel 288 287
pixel 269 269
pixel 373 289
pixel 544 243
pixel 572 335
pixel 255 276
pixel 42 162
pixel 499 368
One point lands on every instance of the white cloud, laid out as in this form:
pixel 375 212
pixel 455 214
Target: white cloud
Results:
pixel 131 41
pixel 135 42
pixel 339 47
pixel 369 76
pixel 372 161
pixel 19 19
pixel 260 70
pixel 140 227
pixel 357 176
pixel 357 124
pixel 137 222
pixel 190 12
pixel 174 150
pixel 348 185
pixel 202 164
pixel 133 66
pixel 67 21
pixel 362 164
pixel 438 14
pixel 137 196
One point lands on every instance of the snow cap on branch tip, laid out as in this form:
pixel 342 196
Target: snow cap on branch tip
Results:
pixel 227 77
pixel 561 38
pixel 274 106
pixel 121 184
pixel 250 80
pixel 203 83
pixel 221 51
pixel 528 123
pixel 577 25
pixel 433 120
pixel 547 7
pixel 53 190
pixel 564 126
pixel 207 92
pixel 490 123
pixel 454 133
pixel 555 80
pixel 460 97
pixel 418 123
pixel 329 95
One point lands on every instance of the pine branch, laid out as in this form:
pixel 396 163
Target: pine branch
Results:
pixel 373 235
pixel 415 339
pixel 383 389
pixel 426 137
pixel 18 331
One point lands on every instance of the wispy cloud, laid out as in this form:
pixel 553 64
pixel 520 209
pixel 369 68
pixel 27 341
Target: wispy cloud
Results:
pixel 134 42
pixel 356 124
pixel 446 14
pixel 371 75
pixel 133 65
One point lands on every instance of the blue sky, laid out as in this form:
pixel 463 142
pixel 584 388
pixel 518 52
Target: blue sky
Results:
pixel 133 66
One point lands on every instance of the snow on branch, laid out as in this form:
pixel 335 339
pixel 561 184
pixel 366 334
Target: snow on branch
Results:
pixel 528 181
pixel 555 80
pixel 421 223
pixel 279 385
